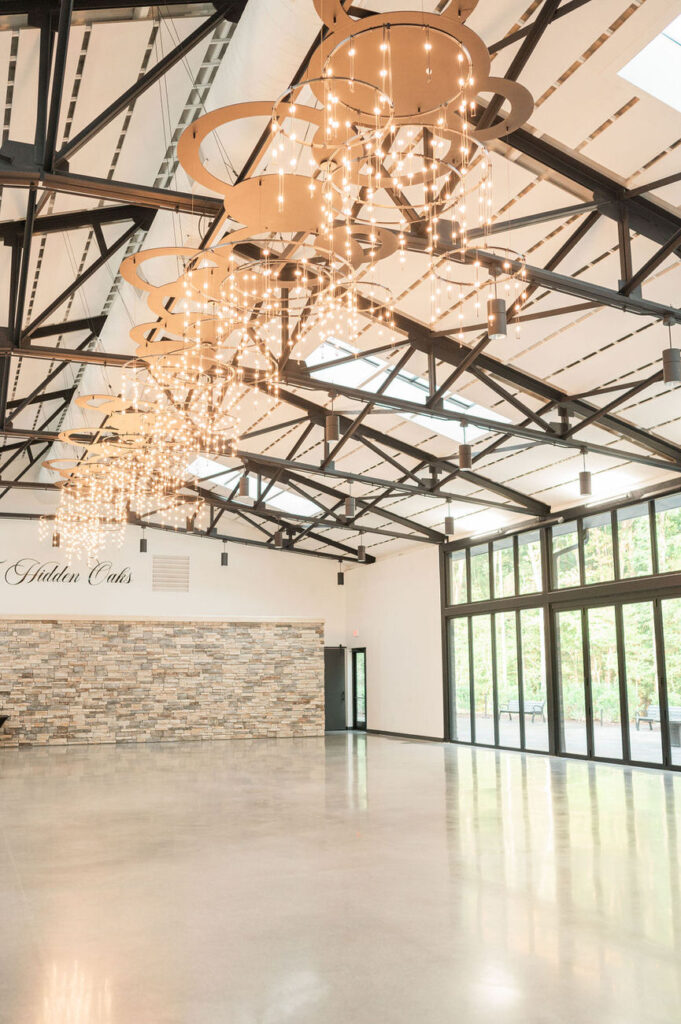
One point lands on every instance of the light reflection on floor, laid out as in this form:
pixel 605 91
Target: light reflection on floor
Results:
pixel 354 879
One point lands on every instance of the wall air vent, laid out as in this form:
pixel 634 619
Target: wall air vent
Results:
pixel 170 573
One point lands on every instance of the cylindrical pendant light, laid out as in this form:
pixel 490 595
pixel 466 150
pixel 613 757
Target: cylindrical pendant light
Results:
pixel 349 507
pixel 496 319
pixel 671 365
pixel 190 524
pixel 465 456
pixel 361 550
pixel 55 539
pixel 244 489
pixel 224 556
pixel 279 539
pixel 585 483
pixel 340 578
pixel 143 543
pixel 449 522
pixel 584 478
pixel 332 427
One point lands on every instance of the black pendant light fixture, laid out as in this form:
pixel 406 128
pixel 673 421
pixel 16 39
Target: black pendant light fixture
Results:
pixel 340 578
pixel 331 425
pixel 224 555
pixel 350 505
pixel 496 316
pixel 584 478
pixel 465 453
pixel 671 362
pixel 143 543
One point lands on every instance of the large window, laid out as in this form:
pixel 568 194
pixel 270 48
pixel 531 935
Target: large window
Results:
pixel 565 638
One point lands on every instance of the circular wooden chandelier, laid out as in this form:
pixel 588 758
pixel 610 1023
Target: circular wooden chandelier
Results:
pixel 382 138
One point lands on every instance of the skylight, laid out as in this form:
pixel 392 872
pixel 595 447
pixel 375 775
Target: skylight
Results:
pixel 369 372
pixel 657 68
pixel 214 474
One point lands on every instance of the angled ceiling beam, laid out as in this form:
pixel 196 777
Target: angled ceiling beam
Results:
pixel 515 37
pixel 230 11
pixel 93 324
pixel 647 217
pixel 527 48
pixel 282 519
pixel 17 313
pixel 38 395
pixel 494 427
pixel 384 513
pixel 641 275
pixel 452 351
pixel 357 421
pixel 72 221
pixel 58 72
pixel 570 243
pixel 318 412
pixel 621 399
pixel 114 191
pixel 575 286
pixel 96 265
pixel 254 459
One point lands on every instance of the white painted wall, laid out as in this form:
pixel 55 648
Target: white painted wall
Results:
pixel 257 584
pixel 393 609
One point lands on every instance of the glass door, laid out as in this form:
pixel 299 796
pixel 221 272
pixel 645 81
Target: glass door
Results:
pixel 570 670
pixel 616 699
pixel 670 708
pixel 497 679
pixel 642 682
pixel 604 679
pixel 359 688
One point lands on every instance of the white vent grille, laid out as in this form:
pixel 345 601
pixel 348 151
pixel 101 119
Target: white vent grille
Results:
pixel 170 572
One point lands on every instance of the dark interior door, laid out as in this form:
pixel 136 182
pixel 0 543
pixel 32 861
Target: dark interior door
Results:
pixel 334 688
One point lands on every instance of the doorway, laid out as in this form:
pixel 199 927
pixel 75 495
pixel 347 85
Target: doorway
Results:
pixel 618 681
pixel 359 688
pixel 334 689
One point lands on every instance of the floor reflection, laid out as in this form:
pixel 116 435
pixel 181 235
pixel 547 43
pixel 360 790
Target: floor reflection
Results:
pixel 576 865
pixel 355 878
pixel 73 996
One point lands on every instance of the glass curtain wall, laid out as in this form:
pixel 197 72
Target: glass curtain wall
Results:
pixel 565 638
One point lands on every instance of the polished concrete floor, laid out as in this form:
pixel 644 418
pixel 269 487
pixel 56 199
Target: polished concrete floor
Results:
pixel 355 879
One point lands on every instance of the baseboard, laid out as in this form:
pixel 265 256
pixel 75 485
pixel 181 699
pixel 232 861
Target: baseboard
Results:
pixel 404 735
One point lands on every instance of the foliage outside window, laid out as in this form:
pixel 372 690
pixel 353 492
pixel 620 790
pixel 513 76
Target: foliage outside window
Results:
pixel 565 550
pixel 480 589
pixel 599 564
pixel 633 536
pixel 529 563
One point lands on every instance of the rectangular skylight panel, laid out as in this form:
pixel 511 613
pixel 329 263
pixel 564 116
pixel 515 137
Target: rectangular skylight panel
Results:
pixel 296 504
pixel 369 372
pixel 213 472
pixel 358 373
pixel 657 68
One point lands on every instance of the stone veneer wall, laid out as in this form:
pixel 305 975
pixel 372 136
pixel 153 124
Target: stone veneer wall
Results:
pixel 104 681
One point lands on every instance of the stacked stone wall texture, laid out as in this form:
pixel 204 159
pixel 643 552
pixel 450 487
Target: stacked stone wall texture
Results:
pixel 101 681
